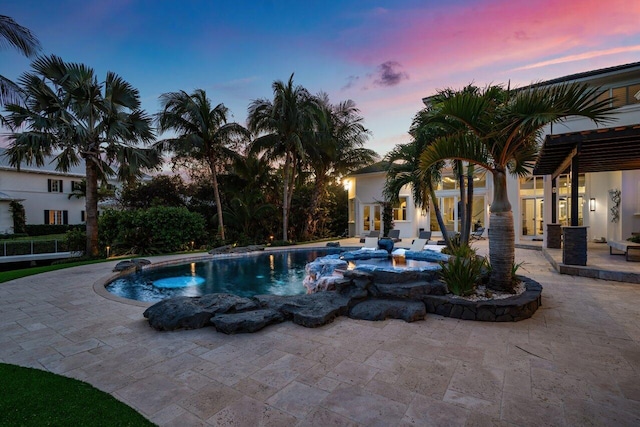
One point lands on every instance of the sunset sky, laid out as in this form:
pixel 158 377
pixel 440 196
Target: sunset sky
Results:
pixel 385 55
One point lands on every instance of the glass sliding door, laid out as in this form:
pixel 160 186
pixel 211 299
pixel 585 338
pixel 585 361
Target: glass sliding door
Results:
pixel 372 215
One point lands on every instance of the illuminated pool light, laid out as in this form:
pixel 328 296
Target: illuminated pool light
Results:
pixel 179 282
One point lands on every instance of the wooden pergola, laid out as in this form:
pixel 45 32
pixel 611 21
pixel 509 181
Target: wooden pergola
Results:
pixel 596 150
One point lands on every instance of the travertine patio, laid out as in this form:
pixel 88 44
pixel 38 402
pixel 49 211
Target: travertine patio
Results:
pixel 576 362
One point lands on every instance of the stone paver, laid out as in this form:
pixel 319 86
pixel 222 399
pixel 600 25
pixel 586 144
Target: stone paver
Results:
pixel 575 362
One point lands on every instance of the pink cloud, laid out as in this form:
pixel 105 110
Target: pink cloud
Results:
pixel 432 42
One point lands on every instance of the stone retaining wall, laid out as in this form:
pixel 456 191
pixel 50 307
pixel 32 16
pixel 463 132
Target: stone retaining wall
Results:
pixel 510 309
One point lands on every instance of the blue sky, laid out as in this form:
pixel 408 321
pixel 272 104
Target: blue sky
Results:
pixel 385 55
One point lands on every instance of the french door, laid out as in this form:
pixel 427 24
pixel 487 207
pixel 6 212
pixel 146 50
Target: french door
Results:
pixel 372 215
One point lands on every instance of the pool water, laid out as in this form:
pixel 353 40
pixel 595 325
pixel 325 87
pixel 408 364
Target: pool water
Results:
pixel 267 273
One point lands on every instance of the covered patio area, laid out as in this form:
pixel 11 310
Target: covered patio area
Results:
pixel 614 151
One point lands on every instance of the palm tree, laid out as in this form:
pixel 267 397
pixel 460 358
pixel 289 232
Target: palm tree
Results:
pixel 19 37
pixel 71 115
pixel 337 149
pixel 404 169
pixel 25 42
pixel 285 123
pixel 203 134
pixel 500 134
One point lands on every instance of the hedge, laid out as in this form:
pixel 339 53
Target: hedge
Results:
pixel 46 229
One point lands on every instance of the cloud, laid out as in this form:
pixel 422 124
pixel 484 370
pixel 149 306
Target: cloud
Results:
pixel 580 57
pixel 390 74
pixel 446 40
pixel 351 82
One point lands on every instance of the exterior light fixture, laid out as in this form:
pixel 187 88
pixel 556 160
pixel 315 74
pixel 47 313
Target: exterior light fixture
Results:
pixel 108 251
pixel 592 204
pixel 347 184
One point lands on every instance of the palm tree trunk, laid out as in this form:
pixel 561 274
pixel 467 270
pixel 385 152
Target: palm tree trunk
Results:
pixel 469 212
pixel 310 226
pixel 91 208
pixel 436 208
pixel 462 205
pixel 501 235
pixel 216 193
pixel 285 197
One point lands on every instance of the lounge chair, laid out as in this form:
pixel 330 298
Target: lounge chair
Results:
pixel 477 234
pixel 395 235
pixel 370 243
pixel 373 233
pixel 425 235
pixel 418 244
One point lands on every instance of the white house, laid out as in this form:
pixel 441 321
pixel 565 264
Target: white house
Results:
pixel 43 191
pixel 605 160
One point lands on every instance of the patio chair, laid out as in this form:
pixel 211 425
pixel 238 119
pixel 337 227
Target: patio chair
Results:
pixel 373 233
pixel 395 235
pixel 418 244
pixel 370 243
pixel 425 235
pixel 477 234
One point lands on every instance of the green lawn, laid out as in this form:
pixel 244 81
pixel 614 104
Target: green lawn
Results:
pixel 30 397
pixel 5 276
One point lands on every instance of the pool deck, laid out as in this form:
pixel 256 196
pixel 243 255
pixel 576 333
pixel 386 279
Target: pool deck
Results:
pixel 575 362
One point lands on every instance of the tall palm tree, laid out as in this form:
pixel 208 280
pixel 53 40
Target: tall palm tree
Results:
pixel 404 169
pixel 203 133
pixel 71 115
pixel 337 149
pixel 284 124
pixel 501 130
pixel 19 37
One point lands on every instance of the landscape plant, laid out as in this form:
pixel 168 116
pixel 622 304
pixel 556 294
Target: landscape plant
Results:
pixel 203 134
pixel 463 271
pixel 284 126
pixel 19 37
pixel 19 217
pixel 151 231
pixel 500 133
pixel 69 113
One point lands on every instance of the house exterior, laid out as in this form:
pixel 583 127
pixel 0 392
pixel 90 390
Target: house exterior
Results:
pixel 43 191
pixel 545 197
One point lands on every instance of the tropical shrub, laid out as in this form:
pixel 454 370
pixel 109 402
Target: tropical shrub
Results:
pixel 46 229
pixel 75 240
pixel 19 217
pixel 151 231
pixel 463 271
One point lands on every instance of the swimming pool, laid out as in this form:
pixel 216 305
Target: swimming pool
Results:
pixel 266 273
pixel 273 273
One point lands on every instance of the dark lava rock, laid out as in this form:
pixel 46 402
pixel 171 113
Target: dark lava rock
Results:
pixel 333 244
pixel 310 310
pixel 194 312
pixel 230 249
pixel 247 321
pixel 381 309
pixel 221 250
pixel 412 290
pixel 389 275
pixel 136 263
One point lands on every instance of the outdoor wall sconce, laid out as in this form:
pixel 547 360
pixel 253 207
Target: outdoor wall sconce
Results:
pixel 592 204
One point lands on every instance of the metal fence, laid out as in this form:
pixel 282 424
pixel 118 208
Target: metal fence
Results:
pixel 32 247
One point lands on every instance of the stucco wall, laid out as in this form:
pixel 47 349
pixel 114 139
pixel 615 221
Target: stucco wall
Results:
pixel 32 187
